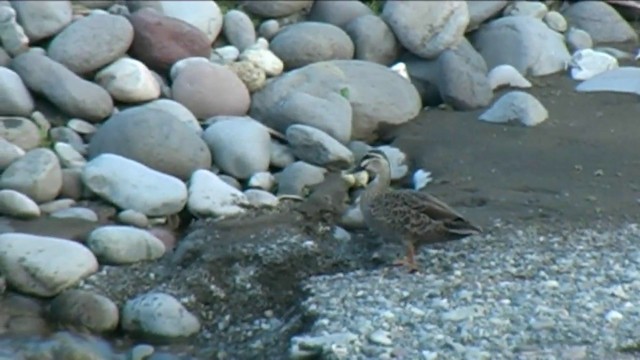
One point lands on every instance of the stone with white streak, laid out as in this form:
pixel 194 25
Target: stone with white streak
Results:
pixel 211 196
pixel 116 244
pixel 44 266
pixel 129 80
pixel 18 205
pixel 131 185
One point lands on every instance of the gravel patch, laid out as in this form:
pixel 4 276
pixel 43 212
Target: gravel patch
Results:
pixel 514 294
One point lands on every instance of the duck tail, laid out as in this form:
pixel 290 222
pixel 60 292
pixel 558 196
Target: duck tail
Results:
pixel 460 226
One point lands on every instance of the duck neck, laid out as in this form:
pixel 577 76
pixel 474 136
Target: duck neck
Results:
pixel 377 186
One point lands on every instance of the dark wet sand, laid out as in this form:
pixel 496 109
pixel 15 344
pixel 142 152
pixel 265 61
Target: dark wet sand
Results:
pixel 581 166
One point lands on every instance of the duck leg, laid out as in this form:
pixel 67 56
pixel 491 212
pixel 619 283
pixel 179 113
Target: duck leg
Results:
pixel 409 261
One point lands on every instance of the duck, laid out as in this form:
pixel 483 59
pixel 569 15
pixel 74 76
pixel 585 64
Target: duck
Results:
pixel 414 218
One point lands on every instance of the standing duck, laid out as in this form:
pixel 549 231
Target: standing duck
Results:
pixel 413 217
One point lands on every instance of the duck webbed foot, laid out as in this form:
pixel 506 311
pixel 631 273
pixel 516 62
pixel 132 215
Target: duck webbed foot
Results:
pixel 409 261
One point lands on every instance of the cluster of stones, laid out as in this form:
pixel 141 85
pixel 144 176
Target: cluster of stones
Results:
pixel 167 106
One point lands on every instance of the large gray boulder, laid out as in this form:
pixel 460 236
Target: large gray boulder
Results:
pixel 524 42
pixel 154 138
pixel 601 21
pixel 426 28
pixel 308 42
pixel 376 94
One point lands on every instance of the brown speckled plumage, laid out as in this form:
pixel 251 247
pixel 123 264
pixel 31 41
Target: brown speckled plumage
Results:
pixel 413 217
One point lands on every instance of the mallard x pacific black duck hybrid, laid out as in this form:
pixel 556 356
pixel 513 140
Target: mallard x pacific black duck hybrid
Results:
pixel 414 217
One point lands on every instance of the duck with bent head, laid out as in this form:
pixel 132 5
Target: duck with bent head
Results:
pixel 414 217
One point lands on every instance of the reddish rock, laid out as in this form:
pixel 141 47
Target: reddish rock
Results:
pixel 159 41
pixel 208 89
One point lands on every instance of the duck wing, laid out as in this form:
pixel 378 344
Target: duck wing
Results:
pixel 418 213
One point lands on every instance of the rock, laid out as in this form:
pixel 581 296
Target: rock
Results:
pixel 9 152
pixel 72 186
pixel 462 78
pixel 121 245
pixel 225 54
pixel 85 310
pixel 179 112
pixel 17 205
pixel 526 8
pixel 68 156
pixel 338 12
pixel 238 29
pixel 134 218
pixel 523 42
pixel 507 75
pixel 240 146
pixel 20 132
pixel 578 39
pixel 268 29
pixel 129 80
pixel 516 105
pixel 332 114
pixel 253 76
pixel 43 266
pixel 261 198
pixel 264 59
pixel 624 79
pixel 397 161
pixel 376 94
pixel 12 36
pixel 280 155
pixel 587 63
pixel 15 99
pixel 81 127
pixel 210 196
pixel 426 28
pixel 91 42
pixel 160 41
pixel 42 19
pixel 309 42
pixel 208 90
pixel 601 21
pixel 158 315
pixel 204 15
pixel 481 10
pixel 297 177
pixel 317 147
pixel 76 213
pixel 55 205
pixel 231 181
pixel 373 39
pixel 262 180
pixel 276 8
pixel 37 174
pixel 66 135
pixel 69 92
pixel 5 59
pixel 131 185
pixel 555 21
pixel 140 134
